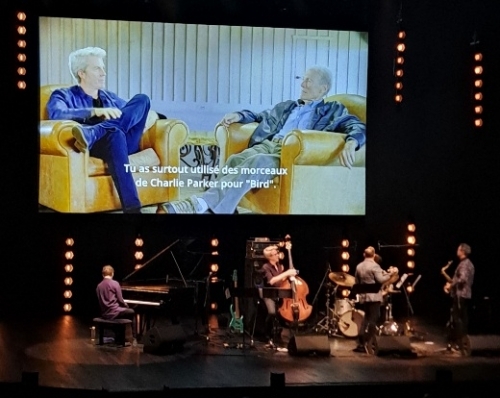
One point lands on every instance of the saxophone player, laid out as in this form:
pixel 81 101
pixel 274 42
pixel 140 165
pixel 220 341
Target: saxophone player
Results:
pixel 460 288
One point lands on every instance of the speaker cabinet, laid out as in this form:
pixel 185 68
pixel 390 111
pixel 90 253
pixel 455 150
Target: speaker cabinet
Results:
pixel 302 345
pixel 385 345
pixel 164 340
pixel 484 345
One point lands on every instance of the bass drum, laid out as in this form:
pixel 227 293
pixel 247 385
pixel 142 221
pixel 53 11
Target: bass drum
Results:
pixel 350 323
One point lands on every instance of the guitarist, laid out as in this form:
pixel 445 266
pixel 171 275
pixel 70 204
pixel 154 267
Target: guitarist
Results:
pixel 460 289
pixel 275 276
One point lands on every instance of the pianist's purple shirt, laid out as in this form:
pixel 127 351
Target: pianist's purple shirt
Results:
pixel 109 294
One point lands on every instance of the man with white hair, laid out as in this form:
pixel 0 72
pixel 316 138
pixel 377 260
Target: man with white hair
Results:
pixel 264 151
pixel 109 127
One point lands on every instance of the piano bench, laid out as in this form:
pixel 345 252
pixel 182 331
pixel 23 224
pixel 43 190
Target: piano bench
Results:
pixel 117 326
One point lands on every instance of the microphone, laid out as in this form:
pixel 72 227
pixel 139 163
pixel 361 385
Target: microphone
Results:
pixel 378 245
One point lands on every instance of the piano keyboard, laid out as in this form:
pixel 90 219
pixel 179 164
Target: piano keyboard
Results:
pixel 140 302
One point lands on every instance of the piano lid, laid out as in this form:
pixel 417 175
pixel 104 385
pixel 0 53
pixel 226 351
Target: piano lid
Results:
pixel 170 263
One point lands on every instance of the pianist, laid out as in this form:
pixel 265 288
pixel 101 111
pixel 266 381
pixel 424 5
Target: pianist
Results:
pixel 109 294
pixel 274 275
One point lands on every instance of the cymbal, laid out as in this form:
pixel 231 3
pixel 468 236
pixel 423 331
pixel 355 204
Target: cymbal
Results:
pixel 342 279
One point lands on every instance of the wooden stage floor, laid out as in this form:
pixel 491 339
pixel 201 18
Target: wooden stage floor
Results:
pixel 60 352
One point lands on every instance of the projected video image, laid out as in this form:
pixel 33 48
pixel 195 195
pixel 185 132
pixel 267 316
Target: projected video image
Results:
pixel 149 117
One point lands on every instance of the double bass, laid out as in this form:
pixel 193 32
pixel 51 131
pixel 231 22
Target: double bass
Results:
pixel 295 309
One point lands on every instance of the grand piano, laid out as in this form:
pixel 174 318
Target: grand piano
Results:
pixel 159 289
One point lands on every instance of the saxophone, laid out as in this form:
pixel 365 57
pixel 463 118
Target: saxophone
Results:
pixel 449 280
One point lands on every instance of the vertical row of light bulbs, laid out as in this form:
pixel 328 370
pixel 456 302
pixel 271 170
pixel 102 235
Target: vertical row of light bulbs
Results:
pixel 21 49
pixel 214 269
pixel 138 254
pixel 68 271
pixel 399 61
pixel 411 240
pixel 477 86
pixel 345 256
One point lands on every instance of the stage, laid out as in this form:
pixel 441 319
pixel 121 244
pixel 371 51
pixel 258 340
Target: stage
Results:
pixel 62 356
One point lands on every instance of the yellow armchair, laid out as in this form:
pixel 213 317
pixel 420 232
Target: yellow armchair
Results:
pixel 74 182
pixel 316 183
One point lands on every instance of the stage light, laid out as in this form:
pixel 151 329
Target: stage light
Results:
pixel 410 252
pixel 344 243
pixel 214 279
pixel 139 255
pixel 69 255
pixel 411 240
pixel 401 47
pixel 410 264
pixel 400 60
pixel 478 122
pixel 478 96
pixel 69 242
pixel 346 292
pixel 139 242
pixel 478 83
pixel 399 85
pixel 478 57
pixel 478 109
pixel 214 267
pixel 345 268
pixel 214 242
pixel 409 289
pixel 138 266
pixel 21 85
pixel 281 244
pixel 67 307
pixel 21 71
pixel 21 30
pixel 21 16
pixel 215 253
pixel 213 306
pixel 68 281
pixel 401 34
pixel 281 255
pixel 21 57
pixel 412 227
pixel 67 294
pixel 68 268
pixel 398 98
pixel 345 256
pixel 21 43
pixel 478 70
pixel 399 73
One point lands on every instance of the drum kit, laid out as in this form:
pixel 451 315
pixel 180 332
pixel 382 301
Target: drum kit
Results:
pixel 342 318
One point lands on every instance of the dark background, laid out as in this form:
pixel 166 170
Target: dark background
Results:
pixel 426 162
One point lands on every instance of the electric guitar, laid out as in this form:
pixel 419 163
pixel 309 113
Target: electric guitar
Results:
pixel 236 324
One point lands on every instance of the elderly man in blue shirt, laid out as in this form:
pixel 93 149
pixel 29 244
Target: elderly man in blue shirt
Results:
pixel 264 151
pixel 110 127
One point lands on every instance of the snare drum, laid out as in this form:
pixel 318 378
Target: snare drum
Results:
pixel 342 306
pixel 350 323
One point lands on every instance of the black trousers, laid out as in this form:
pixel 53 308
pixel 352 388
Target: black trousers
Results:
pixel 369 324
pixel 129 313
pixel 459 325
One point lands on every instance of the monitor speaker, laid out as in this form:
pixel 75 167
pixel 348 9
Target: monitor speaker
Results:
pixel 164 340
pixel 316 344
pixel 484 344
pixel 400 345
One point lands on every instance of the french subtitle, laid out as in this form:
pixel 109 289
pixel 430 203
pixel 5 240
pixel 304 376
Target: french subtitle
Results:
pixel 271 171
